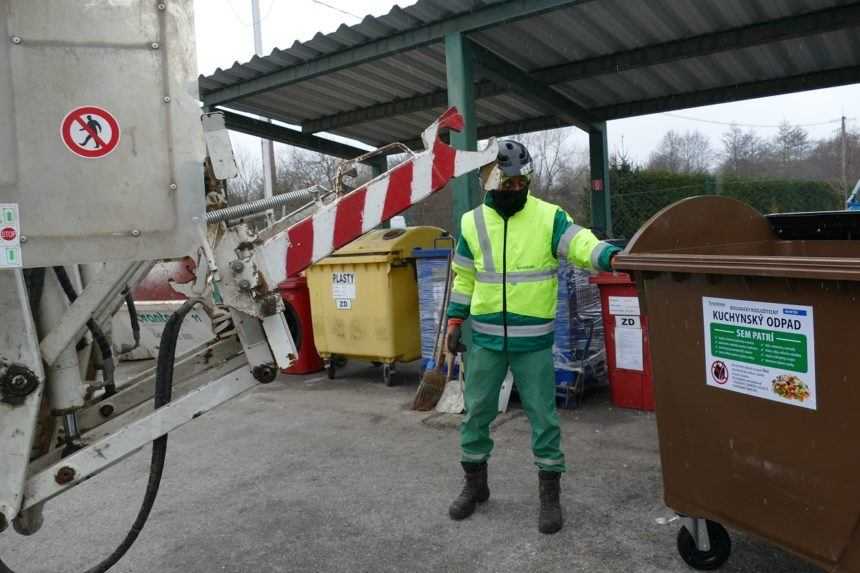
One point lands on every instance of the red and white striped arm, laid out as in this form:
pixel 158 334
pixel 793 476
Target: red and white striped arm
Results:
pixel 365 208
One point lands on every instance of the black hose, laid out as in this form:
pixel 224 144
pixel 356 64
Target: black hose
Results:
pixel 35 282
pixel 163 394
pixel 98 334
pixel 132 317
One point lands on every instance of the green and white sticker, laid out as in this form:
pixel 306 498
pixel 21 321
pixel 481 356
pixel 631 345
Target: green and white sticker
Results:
pixel 761 349
pixel 10 236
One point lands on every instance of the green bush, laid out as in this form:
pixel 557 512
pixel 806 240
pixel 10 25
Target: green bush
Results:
pixel 639 194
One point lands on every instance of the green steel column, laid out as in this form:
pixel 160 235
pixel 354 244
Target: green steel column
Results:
pixel 601 210
pixel 458 59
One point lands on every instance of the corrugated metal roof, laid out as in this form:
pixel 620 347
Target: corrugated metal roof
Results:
pixel 580 30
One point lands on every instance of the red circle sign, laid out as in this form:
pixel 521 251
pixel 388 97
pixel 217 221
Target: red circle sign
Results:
pixel 8 234
pixel 720 372
pixel 89 131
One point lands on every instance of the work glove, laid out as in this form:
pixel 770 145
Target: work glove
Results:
pixel 452 340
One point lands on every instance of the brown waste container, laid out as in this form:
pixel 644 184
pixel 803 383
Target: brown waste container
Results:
pixel 754 349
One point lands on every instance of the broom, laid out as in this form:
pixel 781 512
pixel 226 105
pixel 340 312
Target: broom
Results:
pixel 433 382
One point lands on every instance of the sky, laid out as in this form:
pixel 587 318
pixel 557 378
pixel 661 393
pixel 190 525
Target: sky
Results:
pixel 225 34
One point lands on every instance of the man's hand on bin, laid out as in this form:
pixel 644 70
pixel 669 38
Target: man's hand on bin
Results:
pixel 452 339
pixel 612 259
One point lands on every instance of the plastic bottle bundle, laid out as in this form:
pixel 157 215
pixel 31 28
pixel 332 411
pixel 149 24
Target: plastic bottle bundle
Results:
pixel 432 271
pixel 577 317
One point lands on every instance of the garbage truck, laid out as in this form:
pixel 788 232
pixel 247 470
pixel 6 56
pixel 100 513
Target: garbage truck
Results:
pixel 99 180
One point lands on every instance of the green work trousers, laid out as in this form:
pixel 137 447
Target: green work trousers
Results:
pixel 534 378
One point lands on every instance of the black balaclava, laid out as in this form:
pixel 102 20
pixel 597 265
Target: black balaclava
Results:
pixel 508 203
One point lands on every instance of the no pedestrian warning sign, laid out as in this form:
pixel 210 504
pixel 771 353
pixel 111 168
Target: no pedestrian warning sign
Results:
pixel 90 132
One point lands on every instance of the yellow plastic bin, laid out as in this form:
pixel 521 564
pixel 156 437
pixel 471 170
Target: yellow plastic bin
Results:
pixel 364 299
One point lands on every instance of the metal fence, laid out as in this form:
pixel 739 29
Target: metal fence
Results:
pixel 632 208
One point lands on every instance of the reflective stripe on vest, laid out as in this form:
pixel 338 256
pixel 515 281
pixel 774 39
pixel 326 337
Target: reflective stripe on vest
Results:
pixel 460 298
pixel 484 239
pixel 595 254
pixel 521 331
pixel 566 238
pixel 516 276
pixel 489 274
pixel 464 262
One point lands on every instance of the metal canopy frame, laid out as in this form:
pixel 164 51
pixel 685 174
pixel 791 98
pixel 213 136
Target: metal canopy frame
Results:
pixel 421 36
pixel 791 27
pixel 742 56
pixel 281 134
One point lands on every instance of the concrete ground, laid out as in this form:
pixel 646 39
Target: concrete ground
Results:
pixel 308 474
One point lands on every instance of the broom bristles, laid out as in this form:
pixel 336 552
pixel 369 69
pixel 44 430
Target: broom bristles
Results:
pixel 430 390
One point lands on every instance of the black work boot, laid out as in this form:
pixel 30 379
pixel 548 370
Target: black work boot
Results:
pixel 475 491
pixel 550 520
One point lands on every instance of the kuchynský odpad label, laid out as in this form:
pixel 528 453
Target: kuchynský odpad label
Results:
pixel 761 349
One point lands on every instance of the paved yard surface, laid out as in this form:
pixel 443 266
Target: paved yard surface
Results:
pixel 308 475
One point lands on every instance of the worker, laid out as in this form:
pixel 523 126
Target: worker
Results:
pixel 505 267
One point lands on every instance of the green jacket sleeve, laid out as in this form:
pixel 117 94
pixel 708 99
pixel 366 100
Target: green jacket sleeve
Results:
pixel 579 246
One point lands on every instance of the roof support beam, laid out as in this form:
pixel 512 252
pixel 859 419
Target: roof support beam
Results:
pixel 812 81
pixel 511 78
pixel 502 129
pixel 491 15
pixel 788 28
pixel 404 106
pixel 779 86
pixel 745 37
pixel 274 132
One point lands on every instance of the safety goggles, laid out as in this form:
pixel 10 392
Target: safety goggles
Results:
pixel 514 183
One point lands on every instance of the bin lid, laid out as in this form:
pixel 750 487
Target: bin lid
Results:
pixel 723 236
pixel 385 245
pixel 611 279
pixel 420 253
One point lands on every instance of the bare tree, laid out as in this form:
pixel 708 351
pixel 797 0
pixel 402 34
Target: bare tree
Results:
pixel 690 152
pixel 744 152
pixel 298 169
pixel 825 160
pixel 550 153
pixel 792 143
pixel 248 184
pixel 560 170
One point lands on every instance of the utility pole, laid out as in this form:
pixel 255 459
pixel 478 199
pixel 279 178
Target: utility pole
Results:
pixel 267 148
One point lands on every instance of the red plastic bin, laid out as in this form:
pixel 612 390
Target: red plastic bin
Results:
pixel 294 292
pixel 631 383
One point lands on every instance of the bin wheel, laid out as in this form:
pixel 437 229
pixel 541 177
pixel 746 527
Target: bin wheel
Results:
pixel 721 548
pixel 387 371
pixel 331 369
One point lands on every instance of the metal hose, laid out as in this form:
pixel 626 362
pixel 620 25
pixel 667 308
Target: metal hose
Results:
pixel 135 324
pixel 260 205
